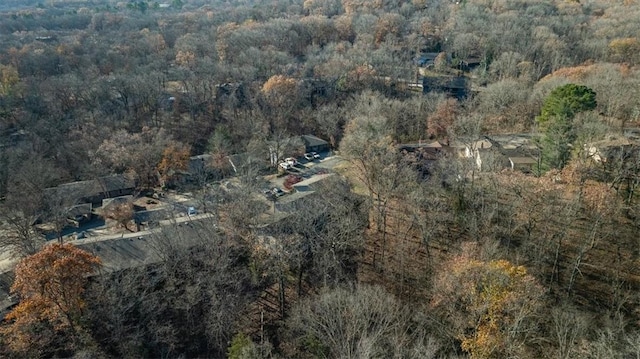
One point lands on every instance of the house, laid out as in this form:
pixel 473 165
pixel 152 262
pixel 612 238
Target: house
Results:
pixel 497 152
pixel 456 86
pixel 470 63
pixel 612 147
pixel 92 191
pixel 617 160
pixel 524 164
pixel 481 150
pixel 117 185
pixel 108 202
pixel 423 156
pixel 314 144
pixel 426 59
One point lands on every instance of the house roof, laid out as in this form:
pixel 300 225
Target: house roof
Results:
pixel 615 141
pixel 116 201
pixel 523 160
pixel 411 147
pixel 515 145
pixel 312 141
pixel 313 180
pixel 80 210
pixel 76 190
pixel 116 182
pixel 90 188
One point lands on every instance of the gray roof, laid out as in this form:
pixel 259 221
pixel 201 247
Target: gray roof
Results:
pixel 80 210
pixel 312 141
pixel 515 145
pixel 523 160
pixel 91 188
pixel 77 190
pixel 116 182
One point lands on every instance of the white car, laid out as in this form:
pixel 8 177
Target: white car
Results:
pixel 291 161
pixel 288 163
pixel 310 156
pixel 277 192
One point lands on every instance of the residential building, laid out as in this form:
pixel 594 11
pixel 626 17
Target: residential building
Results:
pixel 314 144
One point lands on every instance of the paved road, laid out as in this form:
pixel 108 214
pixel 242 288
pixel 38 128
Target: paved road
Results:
pixel 144 233
pixel 115 251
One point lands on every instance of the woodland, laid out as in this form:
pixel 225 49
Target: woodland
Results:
pixel 392 260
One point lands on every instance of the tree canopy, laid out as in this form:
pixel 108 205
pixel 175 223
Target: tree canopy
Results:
pixel 50 285
pixel 566 101
pixel 556 122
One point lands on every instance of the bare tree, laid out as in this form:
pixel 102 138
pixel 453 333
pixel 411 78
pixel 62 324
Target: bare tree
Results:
pixel 189 303
pixel 368 144
pixel 569 327
pixel 357 322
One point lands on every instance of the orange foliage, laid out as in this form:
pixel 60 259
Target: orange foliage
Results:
pixel 175 157
pixel 489 301
pixel 50 285
pixel 574 73
pixel 279 84
pixel 280 90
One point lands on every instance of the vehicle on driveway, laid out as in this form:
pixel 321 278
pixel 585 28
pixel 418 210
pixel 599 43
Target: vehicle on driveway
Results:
pixel 288 163
pixel 310 156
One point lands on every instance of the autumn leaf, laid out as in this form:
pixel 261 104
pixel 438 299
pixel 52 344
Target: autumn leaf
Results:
pixel 50 285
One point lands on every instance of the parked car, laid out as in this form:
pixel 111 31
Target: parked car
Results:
pixel 288 163
pixel 277 192
pixel 191 211
pixel 310 156
pixel 292 161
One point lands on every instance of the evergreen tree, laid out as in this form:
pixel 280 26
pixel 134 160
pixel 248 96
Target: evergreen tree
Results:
pixel 556 122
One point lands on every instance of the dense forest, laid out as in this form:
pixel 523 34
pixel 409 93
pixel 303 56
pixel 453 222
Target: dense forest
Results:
pixel 406 251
